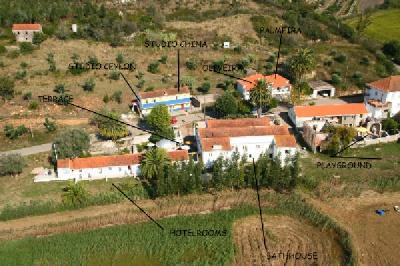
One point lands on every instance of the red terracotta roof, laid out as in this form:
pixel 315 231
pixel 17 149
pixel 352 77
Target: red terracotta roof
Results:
pixel 163 92
pixel 330 110
pixel 244 122
pixel 276 81
pixel 388 84
pixel 240 132
pixel 178 155
pixel 114 160
pixel 207 144
pixel 285 141
pixel 34 26
pixel 100 161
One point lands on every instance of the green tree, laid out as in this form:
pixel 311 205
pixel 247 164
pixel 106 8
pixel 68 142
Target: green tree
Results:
pixel 14 133
pixel 11 164
pixel 226 104
pixel 192 64
pixel 75 194
pixel 260 95
pixel 6 88
pixel 109 128
pixel 71 143
pixel 340 137
pixel 26 48
pixel 159 121
pixel 390 125
pixel 301 63
pixel 205 87
pixel 153 67
pixel 152 167
pixel 38 38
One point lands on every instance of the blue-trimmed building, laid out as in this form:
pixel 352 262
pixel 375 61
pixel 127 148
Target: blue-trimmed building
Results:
pixel 174 100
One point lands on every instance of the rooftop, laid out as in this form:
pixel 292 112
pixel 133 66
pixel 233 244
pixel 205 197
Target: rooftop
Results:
pixel 163 92
pixel 316 84
pixel 330 110
pixel 115 160
pixel 285 141
pixel 245 122
pixel 241 132
pixel 34 26
pixel 388 84
pixel 276 80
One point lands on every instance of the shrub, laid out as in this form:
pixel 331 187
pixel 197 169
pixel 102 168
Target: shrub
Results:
pixel 390 125
pixel 13 133
pixel 2 64
pixel 153 67
pixel 11 164
pixel 23 65
pixel 205 87
pixel 93 60
pixel 89 85
pixel 6 88
pixel 50 125
pixel 33 105
pixel 38 38
pixel 60 88
pixel 163 59
pixel 13 54
pixel 336 79
pixel 26 48
pixel 106 98
pixel 192 64
pixel 237 49
pixel 114 75
pixel 119 58
pixel 364 61
pixel 27 96
pixel 21 74
pixel 188 81
pixel 117 96
pixel 141 83
pixel 2 49
pixel 150 88
pixel 139 75
pixel 52 63
pixel 341 58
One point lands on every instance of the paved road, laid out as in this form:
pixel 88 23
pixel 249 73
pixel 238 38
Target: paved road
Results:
pixel 30 150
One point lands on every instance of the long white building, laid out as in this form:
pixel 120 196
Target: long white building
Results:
pixel 382 97
pixel 249 136
pixel 103 167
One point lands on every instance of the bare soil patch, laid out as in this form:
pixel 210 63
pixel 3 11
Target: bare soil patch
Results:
pixel 376 238
pixel 285 235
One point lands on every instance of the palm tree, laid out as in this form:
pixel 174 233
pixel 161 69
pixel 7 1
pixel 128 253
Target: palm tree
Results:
pixel 301 63
pixel 153 163
pixel 260 95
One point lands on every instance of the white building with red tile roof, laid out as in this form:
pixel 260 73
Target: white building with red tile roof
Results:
pixel 248 136
pixel 103 167
pixel 25 32
pixel 280 86
pixel 349 114
pixel 382 97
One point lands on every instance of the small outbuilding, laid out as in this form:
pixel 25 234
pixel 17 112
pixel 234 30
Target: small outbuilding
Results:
pixel 321 88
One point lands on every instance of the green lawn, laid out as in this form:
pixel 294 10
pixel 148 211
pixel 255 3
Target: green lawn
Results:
pixel 385 25
pixel 382 176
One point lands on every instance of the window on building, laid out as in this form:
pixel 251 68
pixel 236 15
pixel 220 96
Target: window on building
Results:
pixel 154 100
pixel 109 168
pixel 80 170
pixel 258 146
pixel 177 97
pixel 249 155
pixel 270 156
pixel 120 169
pixel 287 151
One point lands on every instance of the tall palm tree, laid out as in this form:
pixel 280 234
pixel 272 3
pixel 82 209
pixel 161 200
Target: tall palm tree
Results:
pixel 301 63
pixel 260 95
pixel 153 163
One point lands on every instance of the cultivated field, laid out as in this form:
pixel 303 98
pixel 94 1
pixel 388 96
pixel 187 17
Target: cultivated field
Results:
pixel 385 25
pixel 284 234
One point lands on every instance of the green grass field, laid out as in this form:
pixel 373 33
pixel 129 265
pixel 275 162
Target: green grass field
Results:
pixel 382 176
pixel 385 25
pixel 140 244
